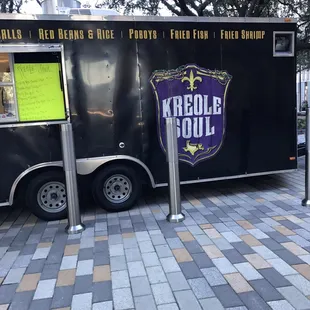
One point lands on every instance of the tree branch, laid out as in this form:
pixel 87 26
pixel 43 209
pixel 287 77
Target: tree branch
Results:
pixel 300 46
pixel 193 4
pixel 182 5
pixel 216 9
pixel 11 6
pixel 202 7
pixel 18 6
pixel 291 7
pixel 171 8
pixel 250 10
pixel 258 11
pixel 235 3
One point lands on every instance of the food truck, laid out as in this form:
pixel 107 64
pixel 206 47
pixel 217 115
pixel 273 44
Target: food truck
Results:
pixel 229 82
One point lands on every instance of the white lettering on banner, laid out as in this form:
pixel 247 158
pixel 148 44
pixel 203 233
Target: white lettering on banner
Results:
pixel 217 109
pixel 207 109
pixel 166 107
pixel 187 128
pixel 177 105
pixel 193 105
pixel 198 105
pixel 198 127
pixel 209 130
pixel 188 109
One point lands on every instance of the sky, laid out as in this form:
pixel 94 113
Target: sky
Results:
pixel 32 7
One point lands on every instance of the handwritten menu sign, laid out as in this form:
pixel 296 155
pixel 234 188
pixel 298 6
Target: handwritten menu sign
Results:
pixel 39 93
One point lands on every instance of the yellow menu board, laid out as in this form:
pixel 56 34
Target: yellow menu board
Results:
pixel 39 93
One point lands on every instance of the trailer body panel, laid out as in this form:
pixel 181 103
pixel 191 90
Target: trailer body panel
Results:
pixel 114 109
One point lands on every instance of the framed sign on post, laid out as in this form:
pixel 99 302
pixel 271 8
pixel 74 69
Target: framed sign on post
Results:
pixel 32 86
pixel 33 92
pixel 39 93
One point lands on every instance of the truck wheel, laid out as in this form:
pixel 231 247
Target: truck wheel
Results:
pixel 116 188
pixel 46 196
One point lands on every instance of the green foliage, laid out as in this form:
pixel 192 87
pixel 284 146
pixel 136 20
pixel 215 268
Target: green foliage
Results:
pixel 303 58
pixel 301 123
pixel 10 6
pixel 14 6
pixel 241 8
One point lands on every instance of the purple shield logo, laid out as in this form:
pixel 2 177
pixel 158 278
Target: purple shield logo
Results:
pixel 197 98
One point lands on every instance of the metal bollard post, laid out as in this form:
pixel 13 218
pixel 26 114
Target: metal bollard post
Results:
pixel 75 225
pixel 306 201
pixel 175 215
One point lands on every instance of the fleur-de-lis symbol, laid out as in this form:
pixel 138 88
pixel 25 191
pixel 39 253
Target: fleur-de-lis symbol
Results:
pixel 191 79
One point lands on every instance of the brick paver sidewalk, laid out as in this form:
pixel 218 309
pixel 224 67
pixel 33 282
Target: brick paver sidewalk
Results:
pixel 244 245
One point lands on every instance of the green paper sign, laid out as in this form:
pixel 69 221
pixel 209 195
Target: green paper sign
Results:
pixel 39 93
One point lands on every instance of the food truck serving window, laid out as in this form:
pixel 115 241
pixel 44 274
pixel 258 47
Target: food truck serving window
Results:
pixel 31 88
pixel 7 100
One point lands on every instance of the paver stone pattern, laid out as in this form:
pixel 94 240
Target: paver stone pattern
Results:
pixel 245 244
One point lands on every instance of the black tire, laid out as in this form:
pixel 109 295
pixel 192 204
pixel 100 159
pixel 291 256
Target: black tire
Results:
pixel 35 187
pixel 101 197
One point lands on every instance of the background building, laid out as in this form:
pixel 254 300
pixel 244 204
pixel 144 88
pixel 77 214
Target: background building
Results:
pixel 302 88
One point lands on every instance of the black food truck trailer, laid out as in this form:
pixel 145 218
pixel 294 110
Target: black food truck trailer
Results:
pixel 230 83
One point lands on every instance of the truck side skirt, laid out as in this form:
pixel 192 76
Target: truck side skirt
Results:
pixel 87 166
